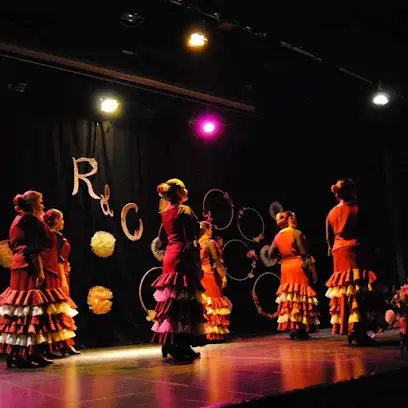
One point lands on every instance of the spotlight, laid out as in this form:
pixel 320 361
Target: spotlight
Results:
pixel 380 99
pixel 207 126
pixel 109 105
pixel 197 40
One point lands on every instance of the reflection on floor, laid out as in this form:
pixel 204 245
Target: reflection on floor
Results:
pixel 246 369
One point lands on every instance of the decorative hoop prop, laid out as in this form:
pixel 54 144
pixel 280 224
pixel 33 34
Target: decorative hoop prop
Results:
pixel 230 203
pixel 150 313
pixel 157 249
pixel 241 213
pixel 255 298
pixel 263 254
pixel 253 264
pixel 275 208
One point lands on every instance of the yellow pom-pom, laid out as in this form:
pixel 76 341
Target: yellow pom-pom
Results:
pixel 103 244
pixel 5 254
pixel 98 300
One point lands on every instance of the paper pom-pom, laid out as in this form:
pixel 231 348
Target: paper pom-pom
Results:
pixel 99 300
pixel 5 254
pixel 103 244
pixel 390 317
pixel 263 254
pixel 157 250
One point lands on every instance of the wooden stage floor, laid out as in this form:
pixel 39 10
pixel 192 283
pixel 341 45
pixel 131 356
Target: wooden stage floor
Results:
pixel 245 369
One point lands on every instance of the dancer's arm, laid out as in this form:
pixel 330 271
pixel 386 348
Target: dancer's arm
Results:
pixel 329 237
pixel 273 251
pixel 303 249
pixel 34 235
pixel 217 262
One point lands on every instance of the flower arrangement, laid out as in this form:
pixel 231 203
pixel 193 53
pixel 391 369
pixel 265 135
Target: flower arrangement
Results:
pixel 254 258
pixel 397 315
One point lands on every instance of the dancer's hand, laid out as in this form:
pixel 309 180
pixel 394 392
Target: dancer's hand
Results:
pixel 224 282
pixel 184 209
pixel 329 251
pixel 39 281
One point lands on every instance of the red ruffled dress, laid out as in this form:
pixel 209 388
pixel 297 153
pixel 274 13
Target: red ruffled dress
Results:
pixel 179 313
pixel 60 307
pixel 350 277
pixel 297 310
pixel 23 319
pixel 217 306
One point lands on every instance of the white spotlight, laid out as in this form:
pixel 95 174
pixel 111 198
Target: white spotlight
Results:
pixel 380 99
pixel 109 105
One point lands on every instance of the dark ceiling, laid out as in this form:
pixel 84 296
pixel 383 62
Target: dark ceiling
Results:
pixel 371 42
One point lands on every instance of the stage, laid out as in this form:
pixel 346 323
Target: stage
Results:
pixel 252 370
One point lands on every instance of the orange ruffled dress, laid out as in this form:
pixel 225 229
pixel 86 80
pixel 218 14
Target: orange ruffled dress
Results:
pixel 297 310
pixel 350 279
pixel 217 306
pixel 61 309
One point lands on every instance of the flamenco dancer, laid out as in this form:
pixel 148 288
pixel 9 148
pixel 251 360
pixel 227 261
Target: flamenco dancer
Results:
pixel 54 219
pixel 217 307
pixel 351 284
pixel 178 314
pixel 23 320
pixel 297 310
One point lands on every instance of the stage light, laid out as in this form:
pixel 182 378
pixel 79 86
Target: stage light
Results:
pixel 109 105
pixel 197 40
pixel 380 99
pixel 207 127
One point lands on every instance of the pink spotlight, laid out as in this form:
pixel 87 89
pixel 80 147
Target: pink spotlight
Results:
pixel 208 127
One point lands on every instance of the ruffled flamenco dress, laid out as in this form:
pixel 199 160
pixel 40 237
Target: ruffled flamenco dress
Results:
pixel 217 306
pixel 350 289
pixel 297 302
pixel 60 309
pixel 178 315
pixel 32 320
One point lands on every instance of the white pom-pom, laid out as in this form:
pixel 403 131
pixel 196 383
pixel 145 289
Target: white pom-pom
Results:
pixel 5 254
pixel 103 244
pixel 156 248
pixel 263 254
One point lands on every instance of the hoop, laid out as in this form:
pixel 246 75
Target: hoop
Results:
pixel 253 266
pixel 256 300
pixel 261 236
pixel 230 203
pixel 275 207
pixel 140 289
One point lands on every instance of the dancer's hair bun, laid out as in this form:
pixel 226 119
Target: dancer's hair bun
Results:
pixel 163 188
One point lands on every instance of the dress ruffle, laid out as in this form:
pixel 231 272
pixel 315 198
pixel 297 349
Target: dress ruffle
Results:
pixel 343 290
pixel 297 308
pixel 178 309
pixel 34 317
pixel 217 311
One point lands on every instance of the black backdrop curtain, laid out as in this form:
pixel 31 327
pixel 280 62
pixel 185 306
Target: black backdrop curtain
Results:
pixel 290 157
